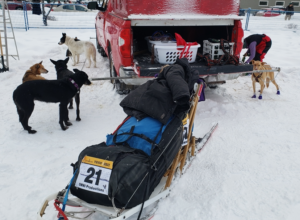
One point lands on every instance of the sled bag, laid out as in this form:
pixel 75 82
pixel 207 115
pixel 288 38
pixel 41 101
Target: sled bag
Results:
pixel 110 175
pixel 146 128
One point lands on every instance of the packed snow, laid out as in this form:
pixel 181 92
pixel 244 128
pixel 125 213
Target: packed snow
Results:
pixel 250 168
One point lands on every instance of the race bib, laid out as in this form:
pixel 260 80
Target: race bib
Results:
pixel 185 123
pixel 94 175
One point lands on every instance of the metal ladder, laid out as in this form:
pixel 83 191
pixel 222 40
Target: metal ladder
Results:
pixel 6 19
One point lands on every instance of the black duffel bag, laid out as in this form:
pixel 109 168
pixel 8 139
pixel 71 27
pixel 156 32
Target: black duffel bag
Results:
pixel 121 176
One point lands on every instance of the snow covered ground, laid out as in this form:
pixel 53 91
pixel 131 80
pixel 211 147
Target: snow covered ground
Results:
pixel 250 169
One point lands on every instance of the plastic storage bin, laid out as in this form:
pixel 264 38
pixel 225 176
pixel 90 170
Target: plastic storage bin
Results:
pixel 214 49
pixel 168 54
pixel 161 43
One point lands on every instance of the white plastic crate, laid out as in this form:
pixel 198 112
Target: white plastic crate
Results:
pixel 214 49
pixel 169 54
pixel 161 43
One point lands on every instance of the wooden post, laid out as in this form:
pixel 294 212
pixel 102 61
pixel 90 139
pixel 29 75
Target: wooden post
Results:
pixel 173 168
pixel 181 155
pixel 192 117
pixel 193 145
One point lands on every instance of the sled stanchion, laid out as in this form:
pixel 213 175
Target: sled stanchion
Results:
pixel 173 168
pixel 192 117
pixel 181 155
pixel 193 146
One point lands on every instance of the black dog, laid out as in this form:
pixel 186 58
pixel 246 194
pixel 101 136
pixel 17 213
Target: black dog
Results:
pixel 61 91
pixel 62 72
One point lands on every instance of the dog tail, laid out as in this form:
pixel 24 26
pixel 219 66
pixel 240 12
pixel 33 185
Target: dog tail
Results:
pixel 268 82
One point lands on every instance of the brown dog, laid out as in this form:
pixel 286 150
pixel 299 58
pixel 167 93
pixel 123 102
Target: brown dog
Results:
pixel 34 73
pixel 262 77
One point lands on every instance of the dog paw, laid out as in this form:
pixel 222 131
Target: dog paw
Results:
pixel 78 119
pixel 254 96
pixel 68 123
pixel 65 128
pixel 31 131
pixel 278 92
pixel 260 97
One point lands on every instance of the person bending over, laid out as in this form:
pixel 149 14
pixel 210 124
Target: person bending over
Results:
pixel 258 45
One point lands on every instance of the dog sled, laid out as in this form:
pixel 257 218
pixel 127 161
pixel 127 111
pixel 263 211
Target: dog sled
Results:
pixel 187 147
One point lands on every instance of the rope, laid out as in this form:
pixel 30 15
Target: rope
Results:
pixel 83 64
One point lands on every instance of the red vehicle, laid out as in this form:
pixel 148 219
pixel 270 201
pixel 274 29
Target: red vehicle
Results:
pixel 122 26
pixel 270 12
pixel 17 5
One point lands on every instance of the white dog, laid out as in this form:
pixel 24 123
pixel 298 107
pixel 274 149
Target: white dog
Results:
pixel 79 47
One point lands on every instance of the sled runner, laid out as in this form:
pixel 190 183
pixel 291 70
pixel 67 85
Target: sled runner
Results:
pixel 182 159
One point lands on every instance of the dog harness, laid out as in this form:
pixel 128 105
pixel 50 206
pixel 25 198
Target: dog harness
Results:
pixel 74 83
pixel 257 77
pixel 226 58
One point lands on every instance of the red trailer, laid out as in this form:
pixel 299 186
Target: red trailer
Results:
pixel 122 28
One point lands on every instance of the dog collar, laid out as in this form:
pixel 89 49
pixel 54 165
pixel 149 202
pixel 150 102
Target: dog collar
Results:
pixel 74 83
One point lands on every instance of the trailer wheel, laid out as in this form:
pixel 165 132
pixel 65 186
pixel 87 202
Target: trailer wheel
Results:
pixel 120 87
pixel 100 48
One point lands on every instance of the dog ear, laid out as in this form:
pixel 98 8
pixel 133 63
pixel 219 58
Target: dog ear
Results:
pixel 41 62
pixel 76 70
pixel 64 34
pixel 54 62
pixel 263 63
pixel 37 66
pixel 252 61
pixel 66 60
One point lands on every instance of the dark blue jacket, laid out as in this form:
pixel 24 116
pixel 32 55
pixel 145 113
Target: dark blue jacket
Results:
pixel 289 10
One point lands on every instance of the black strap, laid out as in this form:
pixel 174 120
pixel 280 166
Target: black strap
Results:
pixel 131 134
pixel 156 145
pixel 145 193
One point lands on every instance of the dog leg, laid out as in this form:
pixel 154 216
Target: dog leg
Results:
pixel 89 59
pixel 262 86
pixel 63 107
pixel 94 59
pixel 253 85
pixel 26 115
pixel 71 104
pixel 277 87
pixel 74 58
pixel 66 121
pixel 77 58
pixel 21 114
pixel 77 100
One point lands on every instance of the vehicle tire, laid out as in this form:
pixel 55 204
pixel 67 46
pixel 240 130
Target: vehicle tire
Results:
pixel 19 8
pixel 100 48
pixel 254 13
pixel 120 87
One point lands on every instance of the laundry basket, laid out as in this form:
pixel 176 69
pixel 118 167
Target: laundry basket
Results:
pixel 161 43
pixel 168 54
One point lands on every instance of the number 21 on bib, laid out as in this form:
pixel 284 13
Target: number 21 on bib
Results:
pixel 94 175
